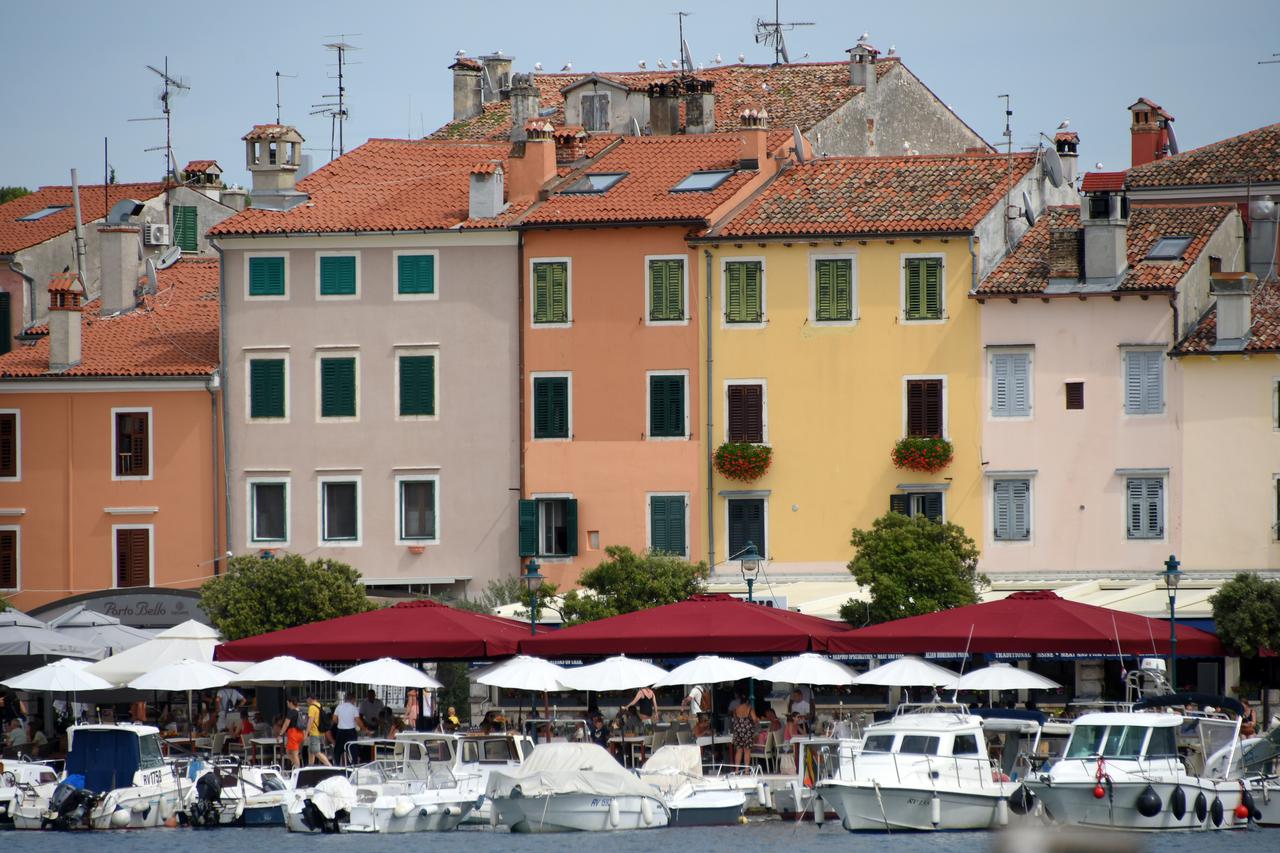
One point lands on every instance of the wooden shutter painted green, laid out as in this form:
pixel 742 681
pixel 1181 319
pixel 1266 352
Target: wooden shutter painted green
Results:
pixel 528 514
pixel 551 407
pixel 833 286
pixel 571 527
pixel 743 291
pixel 337 275
pixel 923 288
pixel 900 504
pixel 666 290
pixel 666 406
pixel 550 292
pixel 746 524
pixel 933 506
pixel 417 385
pixel 415 274
pixel 266 276
pixel 337 387
pixel 266 388
pixel 185 231
pixel 6 330
pixel 666 524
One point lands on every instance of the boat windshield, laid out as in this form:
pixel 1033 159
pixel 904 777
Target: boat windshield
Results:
pixel 1110 741
pixel 878 743
pixel 965 745
pixel 149 752
pixel 919 744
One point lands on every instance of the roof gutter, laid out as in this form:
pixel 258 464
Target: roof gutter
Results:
pixel 828 235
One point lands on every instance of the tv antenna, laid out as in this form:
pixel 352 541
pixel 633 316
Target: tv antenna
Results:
pixel 170 87
pixel 770 33
pixel 686 58
pixel 335 106
pixel 1272 61
pixel 278 76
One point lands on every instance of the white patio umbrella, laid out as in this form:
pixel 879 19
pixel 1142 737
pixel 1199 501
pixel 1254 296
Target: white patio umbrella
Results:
pixel 24 635
pixel 615 673
pixel 94 627
pixel 66 675
pixel 909 671
pixel 1003 676
pixel 387 672
pixel 191 640
pixel 282 670
pixel 708 669
pixel 809 668
pixel 523 672
pixel 186 674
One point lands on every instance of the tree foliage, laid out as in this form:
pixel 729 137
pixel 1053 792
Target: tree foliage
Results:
pixel 8 194
pixel 1246 611
pixel 625 582
pixel 911 566
pixel 260 594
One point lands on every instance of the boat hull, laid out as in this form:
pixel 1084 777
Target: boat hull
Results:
pixel 1074 803
pixel 407 814
pixel 580 813
pixel 123 808
pixel 864 807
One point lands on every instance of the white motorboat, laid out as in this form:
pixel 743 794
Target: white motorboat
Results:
pixel 574 786
pixel 474 755
pixel 24 781
pixel 692 798
pixel 1261 765
pixel 225 789
pixel 268 807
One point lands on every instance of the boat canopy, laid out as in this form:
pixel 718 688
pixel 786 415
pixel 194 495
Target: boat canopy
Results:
pixel 107 757
pixel 568 768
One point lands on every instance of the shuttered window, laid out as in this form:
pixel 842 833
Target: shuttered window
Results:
pixel 1075 395
pixel 912 504
pixel 549 527
pixel 270 512
pixel 266 388
pixel 1144 500
pixel 551 292
pixel 1012 510
pixel 746 413
pixel 924 407
pixel 743 292
pixel 551 407
pixel 1143 382
pixel 833 290
pixel 337 275
pixel 746 524
pixel 8 559
pixel 338 387
pixel 417 509
pixel 667 524
pixel 1010 384
pixel 415 275
pixel 923 297
pixel 340 511
pixel 417 385
pixel 666 406
pixel 595 112
pixel 186 233
pixel 133 557
pixel 9 444
pixel 6 327
pixel 133 456
pixel 266 276
pixel 666 290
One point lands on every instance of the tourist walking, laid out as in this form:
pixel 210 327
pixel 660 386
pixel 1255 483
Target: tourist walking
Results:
pixel 345 719
pixel 743 726
pixel 315 738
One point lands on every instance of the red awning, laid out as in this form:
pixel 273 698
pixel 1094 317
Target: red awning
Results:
pixel 1027 622
pixel 412 630
pixel 704 624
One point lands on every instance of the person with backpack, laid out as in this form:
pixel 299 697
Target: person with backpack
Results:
pixel 292 732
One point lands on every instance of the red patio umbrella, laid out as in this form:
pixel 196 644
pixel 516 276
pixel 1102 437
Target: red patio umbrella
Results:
pixel 1027 622
pixel 411 630
pixel 703 624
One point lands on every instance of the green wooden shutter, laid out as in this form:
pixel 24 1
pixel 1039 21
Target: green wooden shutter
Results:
pixel 666 290
pixel 753 292
pixel 417 385
pixel 914 290
pixel 541 408
pixel 900 504
pixel 658 525
pixel 337 387
pixel 337 275
pixel 733 293
pixel 933 506
pixel 266 388
pixel 185 231
pixel 843 289
pixel 6 330
pixel 415 274
pixel 551 407
pixel 675 290
pixel 666 524
pixel 932 273
pixel 571 527
pixel 559 293
pixel 551 293
pixel 541 293
pixel 266 276
pixel 824 291
pixel 528 514
pixel 666 406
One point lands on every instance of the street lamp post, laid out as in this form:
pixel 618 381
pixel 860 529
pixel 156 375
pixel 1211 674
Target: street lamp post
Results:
pixel 533 580
pixel 749 565
pixel 1172 574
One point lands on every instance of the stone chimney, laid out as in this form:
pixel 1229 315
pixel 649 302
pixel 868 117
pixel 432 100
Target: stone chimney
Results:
pixel 1149 132
pixel 66 298
pixel 524 97
pixel 497 76
pixel 755 138
pixel 571 145
pixel 467 102
pixel 1064 254
pixel 273 153
pixel 862 67
pixel 699 106
pixel 1106 240
pixel 1067 144
pixel 236 198
pixel 120 247
pixel 486 191
pixel 664 109
pixel 533 162
pixel 1231 292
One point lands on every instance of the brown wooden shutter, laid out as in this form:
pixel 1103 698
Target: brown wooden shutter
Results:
pixel 746 413
pixel 132 444
pixel 8 559
pixel 8 445
pixel 133 557
pixel 1075 395
pixel 933 407
pixel 924 407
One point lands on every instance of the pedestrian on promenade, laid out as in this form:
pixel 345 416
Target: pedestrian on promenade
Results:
pixel 315 738
pixel 345 718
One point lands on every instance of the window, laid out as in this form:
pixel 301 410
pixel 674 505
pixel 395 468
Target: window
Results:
pixel 551 292
pixel 1124 741
pixel 9 558
pixel 338 387
pixel 919 744
pixel 666 290
pixel 6 324
pixel 338 275
pixel 417 380
pixel 415 275
pixel 595 112
pixel 1086 741
pixel 1010 384
pixel 1099 206
pixel 594 183
pixel 133 556
pixel 923 288
pixel 667 524
pixel 965 745
pixel 1075 395
pixel 744 291
pixel 1168 248
pixel 418 509
pixel 551 408
pixel 340 511
pixel 746 524
pixel 912 504
pixel 702 181
pixel 1011 507
pixel 1144 499
pixel 42 213
pixel 925 407
pixel 132 445
pixel 266 276
pixel 833 290
pixel 269 511
pixel 9 449
pixel 878 743
pixel 549 527
pixel 1143 382
pixel 1163 743
pixel 186 233
pixel 267 388
pixel 667 410
pixel 745 418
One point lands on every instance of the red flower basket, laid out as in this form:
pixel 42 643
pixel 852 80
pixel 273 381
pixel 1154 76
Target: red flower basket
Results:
pixel 739 460
pixel 922 453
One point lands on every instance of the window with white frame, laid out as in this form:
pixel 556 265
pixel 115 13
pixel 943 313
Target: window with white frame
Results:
pixel 1143 381
pixel 1144 507
pixel 133 554
pixel 10 558
pixel 340 510
pixel 1010 383
pixel 269 511
pixel 1011 509
pixel 418 501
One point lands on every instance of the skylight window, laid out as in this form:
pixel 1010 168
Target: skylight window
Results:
pixel 596 183
pixel 42 213
pixel 702 181
pixel 1168 248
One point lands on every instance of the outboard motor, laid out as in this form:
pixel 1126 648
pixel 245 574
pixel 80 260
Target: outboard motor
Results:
pixel 68 807
pixel 313 819
pixel 207 808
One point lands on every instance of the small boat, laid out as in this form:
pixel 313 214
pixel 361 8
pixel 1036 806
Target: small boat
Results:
pixel 268 807
pixel 574 787
pixel 474 755
pixel 693 799
pixel 1261 765
pixel 224 790
pixel 23 781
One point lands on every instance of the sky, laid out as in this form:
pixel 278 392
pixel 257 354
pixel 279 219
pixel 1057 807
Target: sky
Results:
pixel 73 72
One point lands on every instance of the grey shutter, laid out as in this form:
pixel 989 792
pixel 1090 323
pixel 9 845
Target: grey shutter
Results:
pixel 1021 521
pixel 1000 371
pixel 1144 382
pixel 1155 507
pixel 1003 498
pixel 1133 507
pixel 1012 509
pixel 1010 385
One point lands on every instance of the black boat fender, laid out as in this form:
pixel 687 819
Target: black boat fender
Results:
pixel 1178 803
pixel 1022 801
pixel 1215 811
pixel 1202 807
pixel 1149 804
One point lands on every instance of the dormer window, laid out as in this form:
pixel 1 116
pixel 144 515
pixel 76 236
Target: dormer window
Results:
pixel 595 112
pixel 595 183
pixel 702 181
pixel 1169 249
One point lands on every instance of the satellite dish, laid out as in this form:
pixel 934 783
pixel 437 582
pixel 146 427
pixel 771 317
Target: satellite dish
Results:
pixel 686 56
pixel 168 259
pixel 1053 167
pixel 635 127
pixel 153 285
pixel 1028 212
pixel 124 210
pixel 797 142
pixel 1173 139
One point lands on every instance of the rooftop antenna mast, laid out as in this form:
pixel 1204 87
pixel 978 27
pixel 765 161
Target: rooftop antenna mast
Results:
pixel 1272 61
pixel 170 87
pixel 1008 178
pixel 335 105
pixel 686 61
pixel 278 76
pixel 770 33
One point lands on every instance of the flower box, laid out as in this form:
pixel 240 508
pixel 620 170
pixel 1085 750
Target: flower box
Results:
pixel 416 549
pixel 922 453
pixel 739 460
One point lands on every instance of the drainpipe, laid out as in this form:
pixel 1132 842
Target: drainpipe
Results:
pixel 520 398
pixel 711 452
pixel 212 385
pixel 973 267
pixel 222 358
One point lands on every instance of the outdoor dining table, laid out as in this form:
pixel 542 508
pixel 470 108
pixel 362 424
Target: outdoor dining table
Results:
pixel 710 742
pixel 629 745
pixel 261 744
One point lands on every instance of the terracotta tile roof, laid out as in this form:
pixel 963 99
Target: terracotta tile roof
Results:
pixel 797 94
pixel 384 185
pixel 173 332
pixel 1252 157
pixel 1264 334
pixel 878 195
pixel 1153 106
pixel 1066 136
pixel 16 236
pixel 1026 269
pixel 197 167
pixel 1102 182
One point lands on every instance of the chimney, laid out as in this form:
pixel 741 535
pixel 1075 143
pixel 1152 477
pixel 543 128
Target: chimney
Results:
pixel 120 249
pixel 1264 223
pixel 66 297
pixel 664 109
pixel 1067 144
pixel 1064 254
pixel 496 80
pixel 1149 133
pixel 1106 243
pixel 862 67
pixel 533 162
pixel 571 145
pixel 273 154
pixel 699 106
pixel 524 97
pixel 755 138
pixel 1231 294
pixel 236 198
pixel 486 191
pixel 467 101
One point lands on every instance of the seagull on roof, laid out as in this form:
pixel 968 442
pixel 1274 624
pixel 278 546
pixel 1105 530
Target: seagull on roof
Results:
pixel 1098 166
pixel 642 65
pixel 1066 122
pixel 537 66
pixel 864 37
pixel 568 66
pixel 717 60
pixel 742 57
pixel 677 63
pixel 906 146
pixel 460 54
pixel 893 49
pixel 662 64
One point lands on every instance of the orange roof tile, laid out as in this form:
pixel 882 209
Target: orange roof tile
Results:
pixel 1252 157
pixel 878 195
pixel 172 333
pixel 196 167
pixel 1095 182
pixel 1153 106
pixel 1264 332
pixel 16 236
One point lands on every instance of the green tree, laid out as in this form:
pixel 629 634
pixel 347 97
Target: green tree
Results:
pixel 625 582
pixel 911 565
pixel 260 594
pixel 8 194
pixel 456 692
pixel 1246 610
pixel 497 592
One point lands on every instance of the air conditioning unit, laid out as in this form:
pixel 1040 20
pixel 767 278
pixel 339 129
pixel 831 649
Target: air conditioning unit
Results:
pixel 157 234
